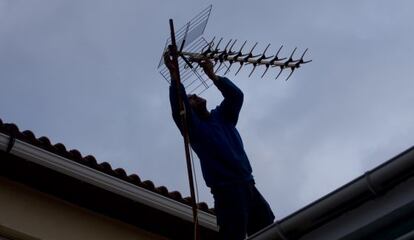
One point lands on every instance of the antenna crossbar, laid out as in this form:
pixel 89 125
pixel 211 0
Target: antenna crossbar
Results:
pixel 212 52
pixel 196 57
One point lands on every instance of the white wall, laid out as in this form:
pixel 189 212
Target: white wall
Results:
pixel 26 212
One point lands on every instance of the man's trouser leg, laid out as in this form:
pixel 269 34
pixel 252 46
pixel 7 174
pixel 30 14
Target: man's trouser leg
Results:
pixel 231 210
pixel 260 213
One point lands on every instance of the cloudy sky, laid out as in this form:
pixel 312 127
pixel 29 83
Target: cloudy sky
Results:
pixel 84 73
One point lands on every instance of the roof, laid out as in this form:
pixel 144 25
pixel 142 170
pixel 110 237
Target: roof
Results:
pixel 90 161
pixel 24 169
pixel 371 187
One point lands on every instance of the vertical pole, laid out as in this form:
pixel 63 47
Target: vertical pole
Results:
pixel 174 55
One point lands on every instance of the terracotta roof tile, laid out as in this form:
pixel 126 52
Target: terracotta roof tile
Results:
pixel 61 149
pixel 133 178
pixel 147 184
pixel 175 195
pixel 203 206
pixel 45 143
pixel 187 200
pixel 75 155
pixel 12 129
pixel 162 190
pixel 90 161
pixel 30 137
pixel 105 167
pixel 120 173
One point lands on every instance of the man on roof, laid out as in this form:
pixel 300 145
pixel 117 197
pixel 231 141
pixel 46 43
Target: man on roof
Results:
pixel 240 209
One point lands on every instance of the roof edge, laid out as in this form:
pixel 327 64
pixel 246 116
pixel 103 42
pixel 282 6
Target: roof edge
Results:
pixel 368 186
pixel 99 179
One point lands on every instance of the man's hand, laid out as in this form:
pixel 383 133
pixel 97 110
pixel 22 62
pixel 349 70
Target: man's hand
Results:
pixel 171 66
pixel 208 68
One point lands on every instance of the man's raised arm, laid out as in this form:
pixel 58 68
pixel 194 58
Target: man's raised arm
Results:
pixel 233 97
pixel 177 92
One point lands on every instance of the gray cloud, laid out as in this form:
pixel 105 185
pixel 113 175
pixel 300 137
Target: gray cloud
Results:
pixel 84 73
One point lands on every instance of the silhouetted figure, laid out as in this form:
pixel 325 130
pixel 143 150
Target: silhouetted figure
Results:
pixel 240 208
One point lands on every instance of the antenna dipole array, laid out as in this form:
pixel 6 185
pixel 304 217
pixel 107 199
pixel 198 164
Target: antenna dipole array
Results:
pixel 192 48
pixel 212 51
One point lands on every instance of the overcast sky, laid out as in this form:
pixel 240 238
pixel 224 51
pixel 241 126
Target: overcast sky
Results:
pixel 84 73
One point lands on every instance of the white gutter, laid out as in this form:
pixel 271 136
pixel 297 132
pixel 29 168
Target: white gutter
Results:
pixel 375 189
pixel 102 180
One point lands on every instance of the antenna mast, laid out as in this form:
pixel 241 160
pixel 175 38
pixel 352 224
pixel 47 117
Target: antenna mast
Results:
pixel 174 54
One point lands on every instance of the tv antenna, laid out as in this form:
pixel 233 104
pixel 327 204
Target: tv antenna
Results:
pixel 194 48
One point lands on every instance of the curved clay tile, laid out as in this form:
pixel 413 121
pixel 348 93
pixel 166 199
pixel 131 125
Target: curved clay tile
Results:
pixel 147 184
pixel 202 206
pixel 90 161
pixel 61 149
pixel 29 136
pixel 45 142
pixel 176 195
pixel 134 179
pixel 162 190
pixel 105 167
pixel 76 155
pixel 11 128
pixel 187 200
pixel 120 172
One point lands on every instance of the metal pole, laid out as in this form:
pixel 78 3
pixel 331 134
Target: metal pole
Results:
pixel 174 55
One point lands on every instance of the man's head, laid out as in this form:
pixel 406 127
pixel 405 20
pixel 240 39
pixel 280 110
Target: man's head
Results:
pixel 199 105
